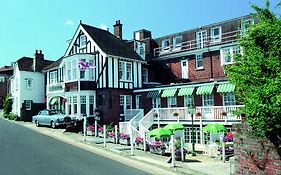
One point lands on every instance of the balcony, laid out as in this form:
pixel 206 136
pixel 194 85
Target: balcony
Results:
pixel 58 87
pixel 190 45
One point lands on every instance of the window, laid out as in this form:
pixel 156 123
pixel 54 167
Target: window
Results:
pixel 28 83
pixel 177 42
pixel 188 100
pixel 91 71
pixel 216 34
pixel 82 71
pixel 74 70
pixel 228 99
pixel 141 50
pixel 125 103
pixel 156 102
pixel 145 75
pixel 69 71
pixel 2 79
pixel 53 77
pixel 28 105
pixel 83 41
pixel 199 61
pixel 208 100
pixel 228 54
pixel 245 24
pixel 165 44
pixel 172 102
pixel 69 105
pixel 83 104
pixel 201 38
pixel 91 104
pixel 75 104
pixel 138 99
pixel 125 71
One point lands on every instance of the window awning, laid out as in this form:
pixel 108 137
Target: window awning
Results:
pixel 186 91
pixel 169 93
pixel 224 88
pixel 203 90
pixel 153 94
pixel 53 101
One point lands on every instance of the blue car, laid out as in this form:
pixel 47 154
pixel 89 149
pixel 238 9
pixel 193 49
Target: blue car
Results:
pixel 51 118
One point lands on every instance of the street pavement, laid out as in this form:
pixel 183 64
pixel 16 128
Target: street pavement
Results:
pixel 145 161
pixel 25 152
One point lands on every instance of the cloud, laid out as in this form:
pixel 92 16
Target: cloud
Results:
pixel 69 22
pixel 103 26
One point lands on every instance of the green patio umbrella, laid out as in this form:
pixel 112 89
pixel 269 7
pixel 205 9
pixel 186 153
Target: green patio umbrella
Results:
pixel 174 126
pixel 214 128
pixel 159 132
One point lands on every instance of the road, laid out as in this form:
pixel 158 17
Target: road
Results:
pixel 25 152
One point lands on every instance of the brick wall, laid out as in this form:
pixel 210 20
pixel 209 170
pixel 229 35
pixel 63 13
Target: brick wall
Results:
pixel 253 156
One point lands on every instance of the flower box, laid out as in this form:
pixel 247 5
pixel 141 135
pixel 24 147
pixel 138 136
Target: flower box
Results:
pixel 124 141
pixel 111 139
pixel 157 148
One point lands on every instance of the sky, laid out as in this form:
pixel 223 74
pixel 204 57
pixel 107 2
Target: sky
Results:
pixel 47 25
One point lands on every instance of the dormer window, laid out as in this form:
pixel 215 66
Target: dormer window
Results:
pixel 83 41
pixel 216 34
pixel 165 44
pixel 245 24
pixel 177 42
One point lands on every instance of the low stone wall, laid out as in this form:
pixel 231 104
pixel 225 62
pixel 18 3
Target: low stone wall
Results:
pixel 254 156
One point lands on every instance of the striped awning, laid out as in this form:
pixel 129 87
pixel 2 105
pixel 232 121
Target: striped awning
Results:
pixel 53 101
pixel 169 93
pixel 203 90
pixel 186 91
pixel 153 94
pixel 224 88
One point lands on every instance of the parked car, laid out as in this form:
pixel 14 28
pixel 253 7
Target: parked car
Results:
pixel 51 118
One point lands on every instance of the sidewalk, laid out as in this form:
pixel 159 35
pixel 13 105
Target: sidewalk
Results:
pixel 147 161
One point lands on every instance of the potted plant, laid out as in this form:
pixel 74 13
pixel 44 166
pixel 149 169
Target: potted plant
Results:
pixel 198 114
pixel 224 113
pixel 175 113
pixel 111 137
pixel 157 147
pixel 155 114
pixel 179 150
pixel 90 130
pixel 124 139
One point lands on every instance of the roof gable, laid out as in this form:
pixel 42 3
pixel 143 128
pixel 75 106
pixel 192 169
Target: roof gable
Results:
pixel 26 64
pixel 107 42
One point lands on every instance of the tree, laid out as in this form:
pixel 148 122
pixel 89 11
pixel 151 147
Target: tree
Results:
pixel 7 107
pixel 257 73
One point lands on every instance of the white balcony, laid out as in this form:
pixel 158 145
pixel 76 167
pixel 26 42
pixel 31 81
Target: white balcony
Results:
pixel 205 42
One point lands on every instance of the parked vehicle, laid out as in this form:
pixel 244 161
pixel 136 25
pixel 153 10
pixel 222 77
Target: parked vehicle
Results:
pixel 51 118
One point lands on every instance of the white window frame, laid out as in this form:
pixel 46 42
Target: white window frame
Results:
pixel 177 46
pixel 156 102
pixel 201 38
pixel 188 100
pixel 29 83
pixel 215 38
pixel 91 71
pixel 126 102
pixel 83 41
pixel 53 77
pixel 138 100
pixel 28 105
pixel 199 58
pixel 245 24
pixel 208 101
pixel 125 71
pixel 145 75
pixel 228 99
pixel 82 71
pixel 164 47
pixel 231 52
pixel 74 70
pixel 172 102
pixel 69 71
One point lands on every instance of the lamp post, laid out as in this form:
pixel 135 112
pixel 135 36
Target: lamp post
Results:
pixel 191 111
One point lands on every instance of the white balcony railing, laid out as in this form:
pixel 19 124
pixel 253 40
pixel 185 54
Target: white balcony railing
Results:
pixel 227 37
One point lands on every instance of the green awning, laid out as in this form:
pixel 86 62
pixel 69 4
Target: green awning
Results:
pixel 153 94
pixel 186 91
pixel 224 88
pixel 203 90
pixel 169 93
pixel 53 101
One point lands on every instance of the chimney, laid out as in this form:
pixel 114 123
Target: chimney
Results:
pixel 38 60
pixel 118 29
